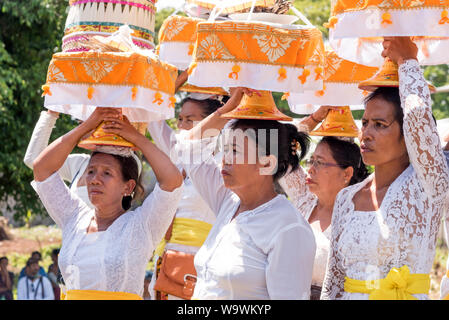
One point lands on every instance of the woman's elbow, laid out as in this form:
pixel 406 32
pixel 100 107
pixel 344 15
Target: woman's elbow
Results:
pixel 39 170
pixel 172 183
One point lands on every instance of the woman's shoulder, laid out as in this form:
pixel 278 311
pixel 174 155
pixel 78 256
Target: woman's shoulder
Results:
pixel 274 217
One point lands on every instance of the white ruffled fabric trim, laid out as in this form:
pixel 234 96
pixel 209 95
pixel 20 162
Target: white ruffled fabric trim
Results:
pixel 93 12
pixel 254 76
pixel 336 94
pixel 418 22
pixel 176 53
pixel 141 109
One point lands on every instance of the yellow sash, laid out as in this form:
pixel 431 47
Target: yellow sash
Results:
pixel 100 295
pixel 186 231
pixel 399 284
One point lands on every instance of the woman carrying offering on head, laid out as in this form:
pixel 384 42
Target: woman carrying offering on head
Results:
pixel 384 229
pixel 259 246
pixel 105 250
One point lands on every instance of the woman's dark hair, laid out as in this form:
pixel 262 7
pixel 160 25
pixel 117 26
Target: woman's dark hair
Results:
pixel 391 95
pixel 208 106
pixel 347 154
pixel 130 171
pixel 287 136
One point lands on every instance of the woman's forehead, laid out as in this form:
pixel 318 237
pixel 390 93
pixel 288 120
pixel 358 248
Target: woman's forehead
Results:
pixel 322 151
pixel 190 109
pixel 104 160
pixel 378 109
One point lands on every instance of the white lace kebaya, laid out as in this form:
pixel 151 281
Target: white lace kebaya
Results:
pixel 367 245
pixel 305 202
pixel 123 250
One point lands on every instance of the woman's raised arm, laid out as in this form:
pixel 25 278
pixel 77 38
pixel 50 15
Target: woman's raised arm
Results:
pixel 53 156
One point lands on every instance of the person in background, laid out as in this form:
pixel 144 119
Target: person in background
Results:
pixel 334 165
pixel 54 274
pixel 34 286
pixel 146 283
pixel 6 280
pixel 36 255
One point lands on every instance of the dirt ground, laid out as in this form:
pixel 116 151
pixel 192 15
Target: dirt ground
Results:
pixel 24 246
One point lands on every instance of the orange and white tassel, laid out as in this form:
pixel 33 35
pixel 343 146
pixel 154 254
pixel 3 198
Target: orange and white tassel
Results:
pixel 331 24
pixel 235 72
pixel 46 89
pixel 444 17
pixel 191 47
pixel 134 93
pixel 304 76
pixel 90 92
pixel 285 96
pixel 386 19
pixel 282 74
pixel 318 71
pixel 172 102
pixel 321 93
pixel 158 98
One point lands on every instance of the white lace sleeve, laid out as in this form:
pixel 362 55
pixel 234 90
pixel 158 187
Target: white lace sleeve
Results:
pixel 295 187
pixel 420 131
pixel 157 211
pixel 60 203
pixel 333 284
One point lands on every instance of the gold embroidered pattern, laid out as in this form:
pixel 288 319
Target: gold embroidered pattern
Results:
pixel 150 78
pixel 273 47
pixel 401 3
pixel 174 27
pixel 97 70
pixel 331 65
pixel 212 48
pixel 54 74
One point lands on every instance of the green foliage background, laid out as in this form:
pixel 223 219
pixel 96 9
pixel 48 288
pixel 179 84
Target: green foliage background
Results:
pixel 29 35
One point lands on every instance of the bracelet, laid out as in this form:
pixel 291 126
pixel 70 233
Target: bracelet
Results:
pixel 311 115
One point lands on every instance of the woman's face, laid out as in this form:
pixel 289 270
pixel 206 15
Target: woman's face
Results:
pixel 325 177
pixel 189 116
pixel 241 165
pixel 381 141
pixel 105 184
